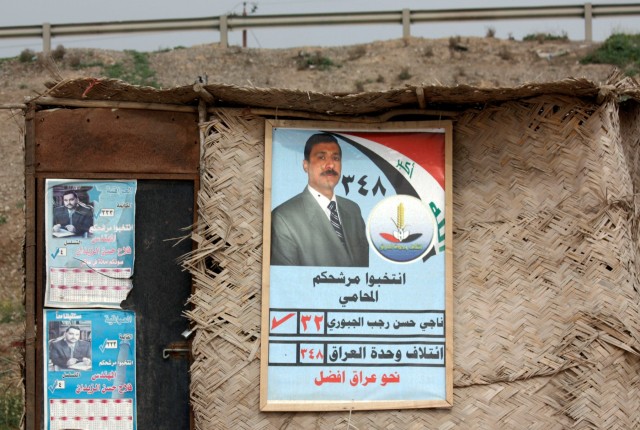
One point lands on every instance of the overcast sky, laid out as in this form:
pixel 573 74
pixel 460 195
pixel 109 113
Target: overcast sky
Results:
pixel 36 12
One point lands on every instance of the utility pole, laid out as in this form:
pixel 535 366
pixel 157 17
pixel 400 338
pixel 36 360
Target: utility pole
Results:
pixel 244 32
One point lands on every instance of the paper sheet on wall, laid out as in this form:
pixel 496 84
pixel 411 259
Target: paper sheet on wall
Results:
pixel 89 369
pixel 90 231
pixel 369 333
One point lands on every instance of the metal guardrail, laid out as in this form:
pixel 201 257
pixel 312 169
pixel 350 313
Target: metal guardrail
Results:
pixel 405 17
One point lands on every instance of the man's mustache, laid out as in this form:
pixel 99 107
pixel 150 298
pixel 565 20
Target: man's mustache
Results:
pixel 329 172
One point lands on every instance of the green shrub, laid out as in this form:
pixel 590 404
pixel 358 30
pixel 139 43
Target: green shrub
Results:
pixel 315 61
pixel 454 41
pixel 505 53
pixel 404 74
pixel 58 53
pixel 135 70
pixel 163 50
pixel 456 45
pixel 632 70
pixel 27 56
pixel 360 84
pixel 77 63
pixel 10 312
pixel 74 60
pixel 11 399
pixel 621 50
pixel 10 408
pixel 546 37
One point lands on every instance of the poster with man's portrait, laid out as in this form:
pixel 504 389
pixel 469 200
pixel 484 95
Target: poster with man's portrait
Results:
pixel 89 231
pixel 357 284
pixel 89 373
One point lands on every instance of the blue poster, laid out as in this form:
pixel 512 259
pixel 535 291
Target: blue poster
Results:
pixel 90 369
pixel 355 309
pixel 90 230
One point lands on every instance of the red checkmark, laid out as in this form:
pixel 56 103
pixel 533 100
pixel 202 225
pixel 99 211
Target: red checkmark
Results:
pixel 275 322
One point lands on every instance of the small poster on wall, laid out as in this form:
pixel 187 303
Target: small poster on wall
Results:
pixel 90 369
pixel 357 283
pixel 90 230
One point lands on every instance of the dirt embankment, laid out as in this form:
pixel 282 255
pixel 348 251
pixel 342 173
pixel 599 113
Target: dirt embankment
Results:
pixel 483 62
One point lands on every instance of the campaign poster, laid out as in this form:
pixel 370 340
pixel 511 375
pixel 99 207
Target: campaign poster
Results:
pixel 90 369
pixel 89 231
pixel 357 287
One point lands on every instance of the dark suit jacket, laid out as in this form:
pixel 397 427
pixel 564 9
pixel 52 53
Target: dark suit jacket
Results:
pixel 82 218
pixel 60 352
pixel 302 235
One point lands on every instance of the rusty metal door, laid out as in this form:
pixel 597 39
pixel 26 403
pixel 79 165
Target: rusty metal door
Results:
pixel 161 150
pixel 160 291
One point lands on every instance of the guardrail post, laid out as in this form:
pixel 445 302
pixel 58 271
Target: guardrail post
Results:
pixel 588 22
pixel 46 38
pixel 406 24
pixel 224 32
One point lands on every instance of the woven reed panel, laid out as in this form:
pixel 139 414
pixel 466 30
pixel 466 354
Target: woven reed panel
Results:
pixel 545 280
pixel 630 135
pixel 546 318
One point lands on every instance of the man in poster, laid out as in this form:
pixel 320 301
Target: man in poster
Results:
pixel 316 227
pixel 72 217
pixel 70 351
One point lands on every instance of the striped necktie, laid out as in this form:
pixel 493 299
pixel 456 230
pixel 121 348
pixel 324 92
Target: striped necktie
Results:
pixel 335 221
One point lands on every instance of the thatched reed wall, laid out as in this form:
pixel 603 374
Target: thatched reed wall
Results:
pixel 546 304
pixel 546 318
